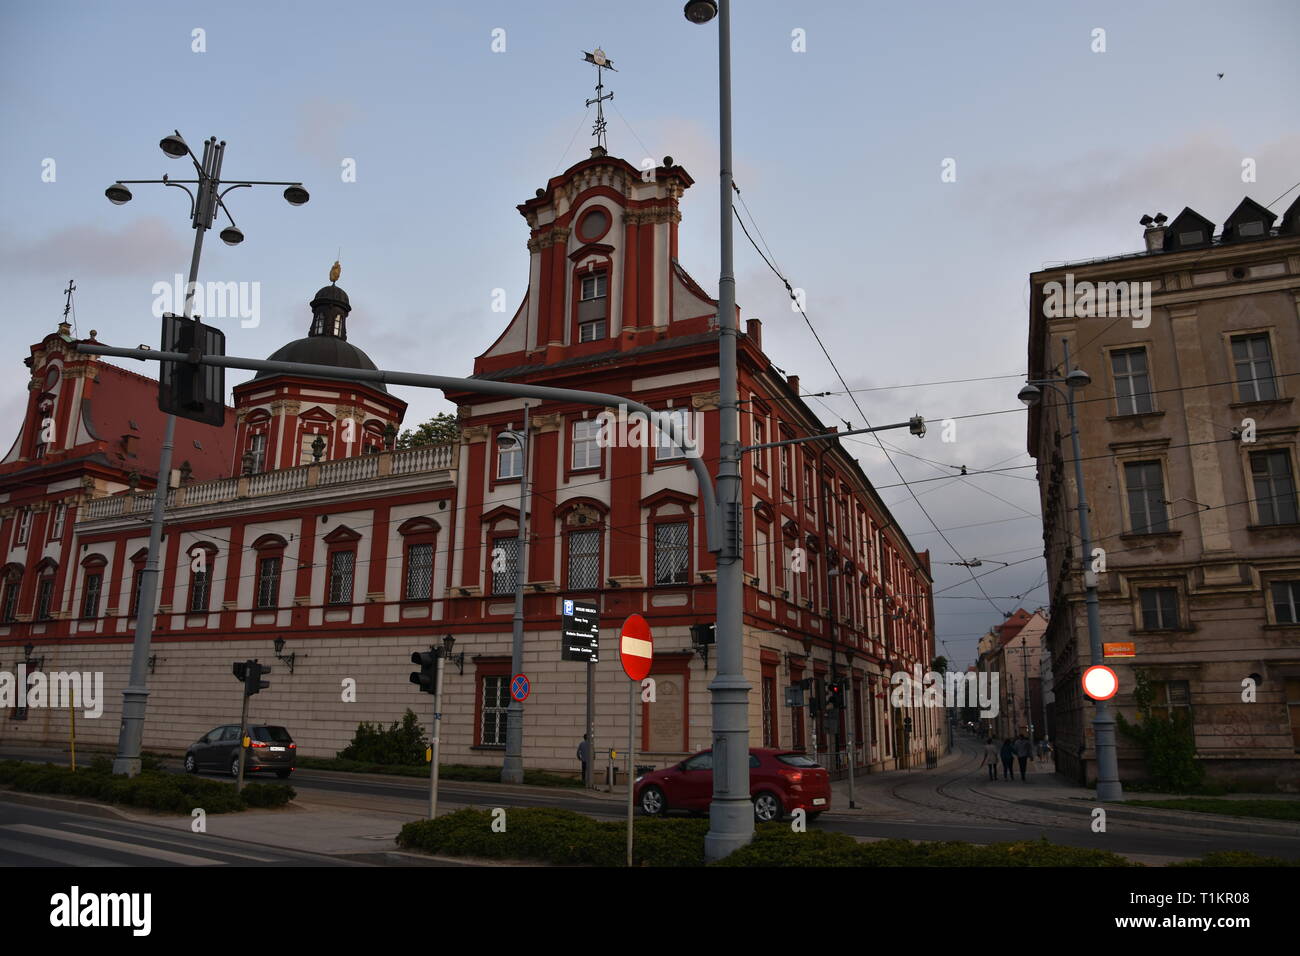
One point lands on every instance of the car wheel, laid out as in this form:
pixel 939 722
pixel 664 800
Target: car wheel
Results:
pixel 653 803
pixel 191 765
pixel 234 767
pixel 767 807
pixel 282 774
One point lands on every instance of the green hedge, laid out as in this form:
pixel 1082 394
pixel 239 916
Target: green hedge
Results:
pixel 446 771
pixel 151 789
pixel 1236 858
pixel 562 837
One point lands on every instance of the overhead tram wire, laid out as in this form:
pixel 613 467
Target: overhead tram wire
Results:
pixel 857 405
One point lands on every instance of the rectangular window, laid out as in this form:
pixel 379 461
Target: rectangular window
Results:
pixel 1253 360
pixel 1286 601
pixel 1159 608
pixel 1146 497
pixel 591 308
pixel 591 331
pixel 504 563
pixel 787 575
pixel 9 607
pixel 672 552
pixel 586 451
pixel 200 591
pixel 90 603
pixel 1274 487
pixel 665 448
pixel 584 560
pixel 1171 696
pixel 593 287
pixel 809 499
pixel 510 459
pixel 257 448
pixel 769 715
pixel 58 513
pixel 137 581
pixel 1132 382
pixel 785 467
pixel 492 732
pixel 268 583
pixel 341 566
pixel 44 598
pixel 24 517
pixel 760 437
pixel 419 572
pixel 761 559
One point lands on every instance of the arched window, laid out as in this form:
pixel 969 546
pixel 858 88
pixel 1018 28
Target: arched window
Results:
pixel 202 557
pixel 92 585
pixel 270 562
pixel 419 545
pixel 342 564
pixel 45 602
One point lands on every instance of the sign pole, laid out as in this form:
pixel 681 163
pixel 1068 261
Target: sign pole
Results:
pixel 243 740
pixel 631 724
pixel 435 743
pixel 590 774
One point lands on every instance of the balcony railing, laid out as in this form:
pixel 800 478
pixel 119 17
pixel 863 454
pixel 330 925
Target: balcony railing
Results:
pixel 283 481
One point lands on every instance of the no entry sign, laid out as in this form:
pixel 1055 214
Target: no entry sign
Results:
pixel 636 648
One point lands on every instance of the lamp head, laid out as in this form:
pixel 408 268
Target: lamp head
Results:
pixel 700 11
pixel 174 146
pixel 231 236
pixel 1030 395
pixel 1078 378
pixel 118 194
pixel 296 196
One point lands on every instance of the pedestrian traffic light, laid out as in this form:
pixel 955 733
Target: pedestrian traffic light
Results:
pixel 253 682
pixel 425 677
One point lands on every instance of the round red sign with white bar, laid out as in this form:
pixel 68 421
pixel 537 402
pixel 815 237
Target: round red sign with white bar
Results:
pixel 636 648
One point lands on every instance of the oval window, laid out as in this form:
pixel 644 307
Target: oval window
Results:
pixel 593 225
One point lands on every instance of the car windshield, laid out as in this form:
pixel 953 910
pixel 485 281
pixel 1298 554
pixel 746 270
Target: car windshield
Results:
pixel 797 760
pixel 272 735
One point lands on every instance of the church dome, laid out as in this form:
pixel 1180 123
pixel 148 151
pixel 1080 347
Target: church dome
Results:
pixel 327 340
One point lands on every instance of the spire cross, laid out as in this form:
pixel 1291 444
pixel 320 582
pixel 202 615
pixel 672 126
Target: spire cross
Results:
pixel 67 303
pixel 601 62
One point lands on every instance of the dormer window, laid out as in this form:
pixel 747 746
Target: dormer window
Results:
pixel 591 307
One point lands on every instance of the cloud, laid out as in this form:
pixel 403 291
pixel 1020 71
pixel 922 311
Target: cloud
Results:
pixel 321 125
pixel 135 249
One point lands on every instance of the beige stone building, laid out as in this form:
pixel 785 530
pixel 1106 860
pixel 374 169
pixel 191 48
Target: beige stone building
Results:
pixel 1188 433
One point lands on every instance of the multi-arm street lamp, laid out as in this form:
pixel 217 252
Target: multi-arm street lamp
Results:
pixel 512 768
pixel 205 200
pixel 1103 723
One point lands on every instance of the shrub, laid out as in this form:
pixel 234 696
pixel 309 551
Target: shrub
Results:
pixel 403 743
pixel 1236 858
pixel 150 790
pixel 1167 741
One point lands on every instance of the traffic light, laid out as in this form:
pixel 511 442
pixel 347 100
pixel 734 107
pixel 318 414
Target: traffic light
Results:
pixel 253 682
pixel 835 694
pixel 426 676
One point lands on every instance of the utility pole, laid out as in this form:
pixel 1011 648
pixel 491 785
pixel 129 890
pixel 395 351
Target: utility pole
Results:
pixel 512 769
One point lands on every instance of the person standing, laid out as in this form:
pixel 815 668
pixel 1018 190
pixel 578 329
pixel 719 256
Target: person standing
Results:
pixel 1022 749
pixel 1008 757
pixel 991 757
pixel 584 754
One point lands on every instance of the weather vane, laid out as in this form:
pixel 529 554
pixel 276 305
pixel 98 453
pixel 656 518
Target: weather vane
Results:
pixel 602 62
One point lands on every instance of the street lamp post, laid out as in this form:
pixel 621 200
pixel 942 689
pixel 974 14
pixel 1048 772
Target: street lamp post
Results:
pixel 204 203
pixel 512 768
pixel 1103 723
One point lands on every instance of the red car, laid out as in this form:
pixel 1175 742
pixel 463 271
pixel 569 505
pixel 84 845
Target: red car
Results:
pixel 779 781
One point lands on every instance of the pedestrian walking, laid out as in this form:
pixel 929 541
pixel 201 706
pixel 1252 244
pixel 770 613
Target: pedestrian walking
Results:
pixel 1044 749
pixel 584 754
pixel 1008 755
pixel 991 757
pixel 1022 748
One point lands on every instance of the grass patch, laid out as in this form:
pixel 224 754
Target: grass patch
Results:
pixel 446 771
pixel 151 789
pixel 1236 858
pixel 1265 809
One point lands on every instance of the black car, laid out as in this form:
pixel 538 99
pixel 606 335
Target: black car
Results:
pixel 271 748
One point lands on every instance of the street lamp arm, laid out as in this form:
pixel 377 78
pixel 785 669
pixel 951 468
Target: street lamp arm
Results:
pixel 236 186
pixel 168 182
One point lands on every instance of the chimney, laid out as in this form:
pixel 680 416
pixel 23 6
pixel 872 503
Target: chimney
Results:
pixel 1155 232
pixel 793 382
pixel 754 329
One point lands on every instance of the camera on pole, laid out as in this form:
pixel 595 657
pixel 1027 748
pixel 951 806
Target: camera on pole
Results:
pixel 426 676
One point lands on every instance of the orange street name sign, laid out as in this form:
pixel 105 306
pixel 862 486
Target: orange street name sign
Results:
pixel 1120 649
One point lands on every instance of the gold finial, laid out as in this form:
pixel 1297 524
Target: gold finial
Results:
pixel 335 271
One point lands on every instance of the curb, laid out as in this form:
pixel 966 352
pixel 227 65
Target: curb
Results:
pixel 1182 818
pixel 85 808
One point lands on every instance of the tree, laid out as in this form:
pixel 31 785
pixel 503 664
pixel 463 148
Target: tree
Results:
pixel 1167 739
pixel 939 665
pixel 441 429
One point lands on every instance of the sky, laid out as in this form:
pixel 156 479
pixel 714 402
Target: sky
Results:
pixel 846 116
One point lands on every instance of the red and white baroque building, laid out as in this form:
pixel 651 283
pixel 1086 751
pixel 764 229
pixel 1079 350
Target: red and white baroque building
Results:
pixel 356 554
